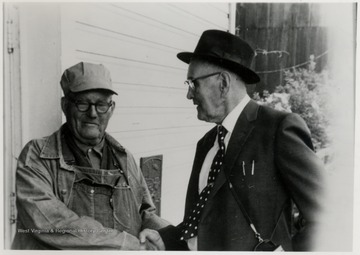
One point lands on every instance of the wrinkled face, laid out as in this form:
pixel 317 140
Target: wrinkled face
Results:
pixel 206 93
pixel 88 127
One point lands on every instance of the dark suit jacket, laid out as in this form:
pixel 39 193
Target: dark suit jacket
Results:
pixel 285 169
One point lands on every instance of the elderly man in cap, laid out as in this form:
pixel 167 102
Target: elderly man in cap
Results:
pixel 79 188
pixel 251 167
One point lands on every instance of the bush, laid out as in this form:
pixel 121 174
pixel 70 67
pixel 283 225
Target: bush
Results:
pixel 305 92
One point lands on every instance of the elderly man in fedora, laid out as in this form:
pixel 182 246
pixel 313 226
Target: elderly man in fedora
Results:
pixel 251 167
pixel 79 188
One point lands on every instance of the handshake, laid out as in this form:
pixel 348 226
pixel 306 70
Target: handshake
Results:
pixel 151 240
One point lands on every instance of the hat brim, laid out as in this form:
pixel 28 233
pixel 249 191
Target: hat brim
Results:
pixel 88 89
pixel 248 75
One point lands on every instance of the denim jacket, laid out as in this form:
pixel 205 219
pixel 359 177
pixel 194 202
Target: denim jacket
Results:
pixel 44 183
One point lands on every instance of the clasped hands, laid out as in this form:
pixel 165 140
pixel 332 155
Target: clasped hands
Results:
pixel 151 240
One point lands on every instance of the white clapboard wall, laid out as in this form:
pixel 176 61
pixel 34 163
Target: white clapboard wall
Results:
pixel 138 43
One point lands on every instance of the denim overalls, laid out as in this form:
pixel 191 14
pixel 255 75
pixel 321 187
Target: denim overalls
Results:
pixel 104 194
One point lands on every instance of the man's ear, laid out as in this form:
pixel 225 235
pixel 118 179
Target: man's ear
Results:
pixel 64 105
pixel 225 83
pixel 112 108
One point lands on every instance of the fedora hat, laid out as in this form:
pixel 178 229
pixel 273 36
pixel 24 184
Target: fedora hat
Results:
pixel 226 50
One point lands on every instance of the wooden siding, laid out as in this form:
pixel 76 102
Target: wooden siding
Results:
pixel 295 29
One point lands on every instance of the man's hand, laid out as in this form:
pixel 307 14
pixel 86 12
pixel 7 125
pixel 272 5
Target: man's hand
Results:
pixel 151 240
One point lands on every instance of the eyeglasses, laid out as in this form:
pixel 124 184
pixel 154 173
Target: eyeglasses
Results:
pixel 190 82
pixel 101 107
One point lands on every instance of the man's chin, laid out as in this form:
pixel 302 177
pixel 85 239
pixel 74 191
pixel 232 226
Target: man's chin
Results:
pixel 91 139
pixel 205 118
pixel 202 117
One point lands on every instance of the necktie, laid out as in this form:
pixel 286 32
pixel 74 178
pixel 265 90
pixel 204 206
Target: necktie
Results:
pixel 191 222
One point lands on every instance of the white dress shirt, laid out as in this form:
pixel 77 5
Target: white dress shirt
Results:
pixel 229 123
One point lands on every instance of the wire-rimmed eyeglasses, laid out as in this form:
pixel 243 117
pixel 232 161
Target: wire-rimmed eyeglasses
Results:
pixel 190 82
pixel 83 106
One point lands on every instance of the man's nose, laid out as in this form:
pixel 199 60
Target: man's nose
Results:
pixel 92 111
pixel 190 94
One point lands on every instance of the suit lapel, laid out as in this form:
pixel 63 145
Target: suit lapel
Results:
pixel 241 132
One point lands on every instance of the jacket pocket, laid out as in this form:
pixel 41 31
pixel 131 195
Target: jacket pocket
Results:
pixel 66 180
